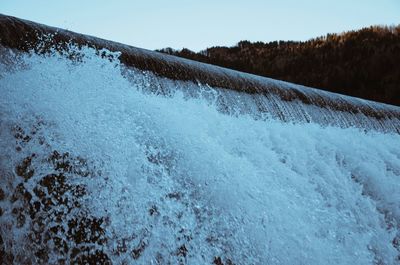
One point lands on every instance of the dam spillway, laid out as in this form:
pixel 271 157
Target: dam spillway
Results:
pixel 117 155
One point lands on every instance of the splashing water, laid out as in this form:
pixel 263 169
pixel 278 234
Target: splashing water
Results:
pixel 100 162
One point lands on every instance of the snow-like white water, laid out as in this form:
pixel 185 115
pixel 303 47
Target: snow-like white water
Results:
pixel 180 180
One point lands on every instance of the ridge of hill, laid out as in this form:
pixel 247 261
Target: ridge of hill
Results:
pixel 361 63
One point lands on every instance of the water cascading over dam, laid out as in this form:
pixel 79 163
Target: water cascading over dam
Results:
pixel 119 155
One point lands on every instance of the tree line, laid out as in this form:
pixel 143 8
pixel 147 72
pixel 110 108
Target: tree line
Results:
pixel 364 63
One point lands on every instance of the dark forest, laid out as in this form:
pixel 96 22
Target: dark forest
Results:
pixel 363 63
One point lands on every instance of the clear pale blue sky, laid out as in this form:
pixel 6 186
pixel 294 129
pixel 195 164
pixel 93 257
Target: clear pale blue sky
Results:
pixel 196 25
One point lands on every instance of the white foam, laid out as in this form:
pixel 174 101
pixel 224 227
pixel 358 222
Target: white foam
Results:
pixel 256 191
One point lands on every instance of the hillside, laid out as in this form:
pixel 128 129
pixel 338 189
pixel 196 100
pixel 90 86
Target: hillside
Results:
pixel 361 63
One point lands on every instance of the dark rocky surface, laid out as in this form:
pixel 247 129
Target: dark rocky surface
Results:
pixel 44 204
pixel 47 207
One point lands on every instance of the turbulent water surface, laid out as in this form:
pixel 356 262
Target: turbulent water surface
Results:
pixel 108 164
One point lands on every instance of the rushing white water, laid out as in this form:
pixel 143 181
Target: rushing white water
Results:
pixel 180 180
